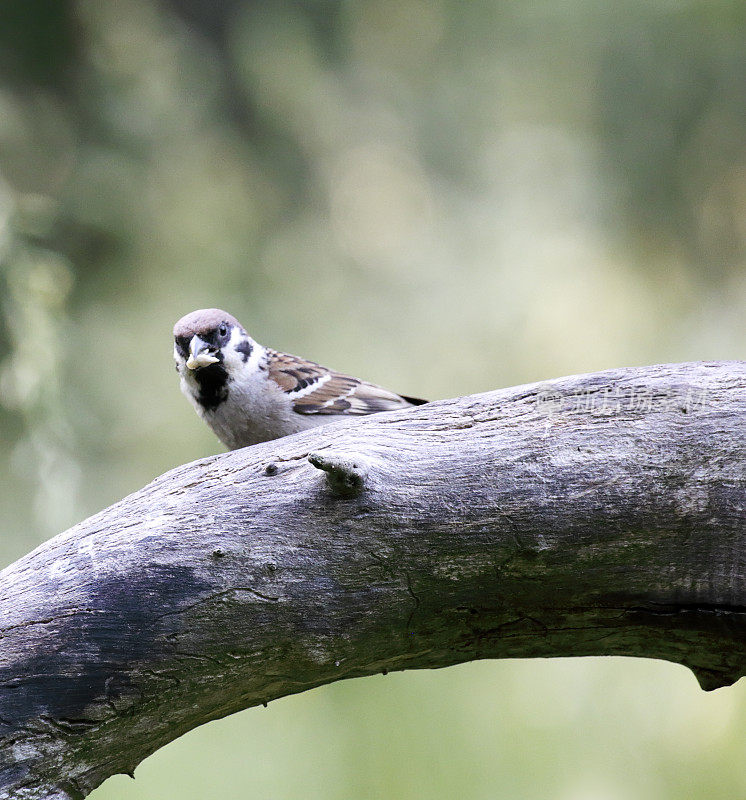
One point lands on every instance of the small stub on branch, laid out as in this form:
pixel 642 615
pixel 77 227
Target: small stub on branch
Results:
pixel 345 475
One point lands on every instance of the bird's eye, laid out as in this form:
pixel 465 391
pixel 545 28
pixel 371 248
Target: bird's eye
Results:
pixel 223 329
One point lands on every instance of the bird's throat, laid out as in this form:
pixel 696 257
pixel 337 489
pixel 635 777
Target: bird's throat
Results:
pixel 212 382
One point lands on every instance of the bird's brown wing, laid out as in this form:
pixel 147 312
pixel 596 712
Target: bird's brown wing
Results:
pixel 317 390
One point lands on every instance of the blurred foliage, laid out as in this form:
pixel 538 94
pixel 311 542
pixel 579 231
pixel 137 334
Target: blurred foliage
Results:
pixel 443 197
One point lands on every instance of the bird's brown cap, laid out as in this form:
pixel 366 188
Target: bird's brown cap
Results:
pixel 202 321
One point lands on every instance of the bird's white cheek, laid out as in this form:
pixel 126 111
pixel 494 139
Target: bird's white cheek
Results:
pixel 190 390
pixel 179 361
pixel 188 381
pixel 234 356
pixel 232 360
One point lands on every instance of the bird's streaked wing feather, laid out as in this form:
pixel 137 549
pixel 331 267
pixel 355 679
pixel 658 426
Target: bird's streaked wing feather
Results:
pixel 317 390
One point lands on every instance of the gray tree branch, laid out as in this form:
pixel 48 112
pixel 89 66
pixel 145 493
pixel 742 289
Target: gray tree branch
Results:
pixel 591 515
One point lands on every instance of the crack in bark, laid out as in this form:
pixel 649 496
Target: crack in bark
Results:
pixel 215 596
pixel 416 602
pixel 76 612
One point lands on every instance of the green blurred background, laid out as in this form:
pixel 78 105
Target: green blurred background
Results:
pixel 441 196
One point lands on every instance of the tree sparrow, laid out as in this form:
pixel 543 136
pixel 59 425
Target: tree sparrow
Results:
pixel 248 393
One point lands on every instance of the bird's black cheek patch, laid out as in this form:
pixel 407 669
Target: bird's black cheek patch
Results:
pixel 245 349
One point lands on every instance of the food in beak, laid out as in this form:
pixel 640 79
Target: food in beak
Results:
pixel 199 354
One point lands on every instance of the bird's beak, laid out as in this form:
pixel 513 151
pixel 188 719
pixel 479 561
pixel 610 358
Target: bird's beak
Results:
pixel 199 354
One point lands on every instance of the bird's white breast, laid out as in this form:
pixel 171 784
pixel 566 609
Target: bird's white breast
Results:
pixel 255 409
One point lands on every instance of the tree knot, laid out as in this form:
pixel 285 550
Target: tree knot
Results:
pixel 345 475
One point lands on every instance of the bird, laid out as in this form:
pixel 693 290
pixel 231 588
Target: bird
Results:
pixel 248 393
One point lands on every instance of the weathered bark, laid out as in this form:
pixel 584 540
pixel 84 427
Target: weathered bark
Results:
pixel 600 514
